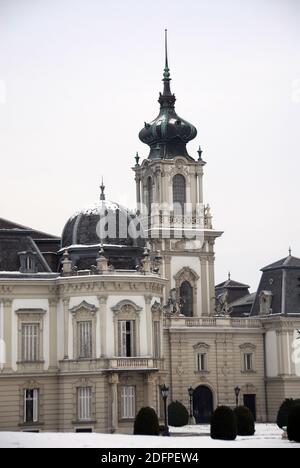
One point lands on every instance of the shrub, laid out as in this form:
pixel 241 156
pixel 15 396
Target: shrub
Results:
pixel 293 423
pixel 283 412
pixel 146 422
pixel 244 420
pixel 223 424
pixel 177 414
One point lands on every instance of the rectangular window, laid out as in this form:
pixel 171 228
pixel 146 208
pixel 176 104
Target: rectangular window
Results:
pixel 128 402
pixel 31 399
pixel 126 338
pixel 30 342
pixel 248 364
pixel 84 403
pixel 85 339
pixel 202 362
pixel 156 333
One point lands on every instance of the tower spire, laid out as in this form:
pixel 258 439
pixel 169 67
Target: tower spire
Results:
pixel 102 188
pixel 166 78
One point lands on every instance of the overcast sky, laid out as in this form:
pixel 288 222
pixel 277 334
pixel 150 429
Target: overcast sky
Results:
pixel 78 78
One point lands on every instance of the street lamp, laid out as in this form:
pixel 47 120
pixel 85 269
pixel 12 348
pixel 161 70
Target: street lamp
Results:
pixel 164 393
pixel 237 392
pixel 191 418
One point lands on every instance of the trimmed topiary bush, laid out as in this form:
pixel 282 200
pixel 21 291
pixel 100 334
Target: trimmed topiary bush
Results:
pixel 177 414
pixel 146 422
pixel 283 412
pixel 244 420
pixel 293 423
pixel 223 424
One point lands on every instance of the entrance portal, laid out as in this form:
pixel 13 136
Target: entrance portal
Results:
pixel 203 404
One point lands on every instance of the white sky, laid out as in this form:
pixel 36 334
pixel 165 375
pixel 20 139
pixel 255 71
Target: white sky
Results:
pixel 78 78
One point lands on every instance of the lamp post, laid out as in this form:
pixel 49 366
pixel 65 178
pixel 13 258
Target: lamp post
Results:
pixel 237 392
pixel 164 393
pixel 191 418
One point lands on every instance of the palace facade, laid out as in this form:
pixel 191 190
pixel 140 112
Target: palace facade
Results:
pixel 91 325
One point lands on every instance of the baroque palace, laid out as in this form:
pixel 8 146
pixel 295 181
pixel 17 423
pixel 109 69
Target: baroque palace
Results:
pixel 91 325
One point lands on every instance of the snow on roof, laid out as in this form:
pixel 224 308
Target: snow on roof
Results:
pixel 98 208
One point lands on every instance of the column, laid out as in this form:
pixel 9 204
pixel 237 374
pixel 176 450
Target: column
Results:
pixel 52 334
pixel 148 300
pixel 204 287
pixel 197 188
pixel 114 380
pixel 200 185
pixel 102 324
pixel 211 281
pixel 138 191
pixel 149 381
pixel 167 260
pixel 7 335
pixel 66 327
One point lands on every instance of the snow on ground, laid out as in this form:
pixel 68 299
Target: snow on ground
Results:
pixel 266 435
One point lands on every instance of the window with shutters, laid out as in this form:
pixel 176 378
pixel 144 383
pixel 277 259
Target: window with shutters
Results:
pixel 30 342
pixel 248 362
pixel 84 330
pixel 84 403
pixel 126 316
pixel 30 338
pixel 128 402
pixel 126 338
pixel 248 357
pixel 156 337
pixel 201 357
pixel 31 404
pixel 202 362
pixel 179 193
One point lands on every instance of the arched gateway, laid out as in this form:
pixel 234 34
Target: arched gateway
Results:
pixel 203 404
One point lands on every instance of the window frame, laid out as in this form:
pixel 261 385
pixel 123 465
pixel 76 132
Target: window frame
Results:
pixel 128 402
pixel 202 361
pixel 34 401
pixel 88 353
pixel 31 317
pixel 84 405
pixel 179 199
pixel 30 346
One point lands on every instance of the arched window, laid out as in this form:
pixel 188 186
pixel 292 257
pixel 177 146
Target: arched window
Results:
pixel 186 296
pixel 179 192
pixel 149 194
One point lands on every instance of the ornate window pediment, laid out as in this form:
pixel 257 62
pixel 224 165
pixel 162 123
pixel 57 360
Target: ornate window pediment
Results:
pixel 201 346
pixel 248 347
pixel 84 306
pixel 126 309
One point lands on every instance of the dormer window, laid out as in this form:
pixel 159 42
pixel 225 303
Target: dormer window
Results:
pixel 28 262
pixel 265 302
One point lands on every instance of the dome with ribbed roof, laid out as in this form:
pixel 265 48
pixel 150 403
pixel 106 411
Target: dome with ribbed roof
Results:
pixel 106 222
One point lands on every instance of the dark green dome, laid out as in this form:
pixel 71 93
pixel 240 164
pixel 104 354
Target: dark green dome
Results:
pixel 168 134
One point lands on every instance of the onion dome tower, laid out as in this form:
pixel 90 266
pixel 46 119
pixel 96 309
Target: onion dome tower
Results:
pixel 168 134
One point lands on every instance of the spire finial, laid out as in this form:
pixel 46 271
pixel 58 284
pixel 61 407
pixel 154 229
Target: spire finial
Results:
pixel 166 78
pixel 102 188
pixel 290 251
pixel 229 276
pixel 166 50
